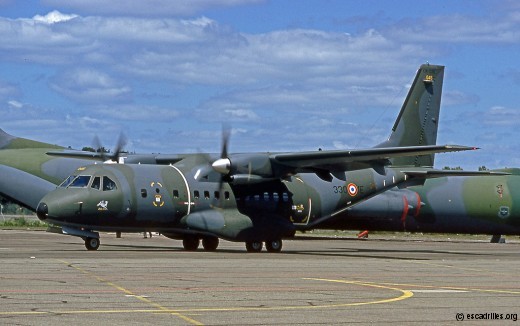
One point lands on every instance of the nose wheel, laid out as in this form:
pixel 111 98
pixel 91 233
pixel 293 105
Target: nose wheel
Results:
pixel 92 243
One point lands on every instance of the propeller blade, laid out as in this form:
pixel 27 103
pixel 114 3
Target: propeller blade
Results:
pixel 226 132
pixel 222 165
pixel 121 143
pixel 98 147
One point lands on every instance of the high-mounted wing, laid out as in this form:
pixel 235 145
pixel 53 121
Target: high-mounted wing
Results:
pixel 264 166
pixel 331 159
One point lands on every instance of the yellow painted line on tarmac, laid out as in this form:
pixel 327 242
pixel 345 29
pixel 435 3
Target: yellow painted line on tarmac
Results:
pixel 141 298
pixel 454 288
pixel 405 294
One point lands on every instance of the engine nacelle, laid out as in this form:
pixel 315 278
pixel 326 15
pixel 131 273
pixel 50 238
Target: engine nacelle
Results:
pixel 245 164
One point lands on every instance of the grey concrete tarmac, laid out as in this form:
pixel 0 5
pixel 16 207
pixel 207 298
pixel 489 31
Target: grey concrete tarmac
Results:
pixel 52 279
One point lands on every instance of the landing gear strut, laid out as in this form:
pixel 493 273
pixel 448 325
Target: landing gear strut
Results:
pixel 92 243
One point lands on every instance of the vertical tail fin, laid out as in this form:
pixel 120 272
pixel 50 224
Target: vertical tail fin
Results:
pixel 417 122
pixel 8 141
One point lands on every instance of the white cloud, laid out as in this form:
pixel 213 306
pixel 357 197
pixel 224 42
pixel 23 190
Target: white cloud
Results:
pixel 88 85
pixel 146 8
pixel 458 28
pixel 53 17
pixel 15 104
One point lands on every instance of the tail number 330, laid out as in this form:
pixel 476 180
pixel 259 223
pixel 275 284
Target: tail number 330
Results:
pixel 351 189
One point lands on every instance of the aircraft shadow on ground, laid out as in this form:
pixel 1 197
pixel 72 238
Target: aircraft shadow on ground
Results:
pixel 395 254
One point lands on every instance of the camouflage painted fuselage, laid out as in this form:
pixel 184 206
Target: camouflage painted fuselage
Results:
pixel 478 205
pixel 170 199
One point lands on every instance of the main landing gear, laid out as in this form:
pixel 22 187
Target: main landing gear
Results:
pixel 270 246
pixel 191 243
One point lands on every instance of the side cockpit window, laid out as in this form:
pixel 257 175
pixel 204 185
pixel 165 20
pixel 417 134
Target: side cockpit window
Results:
pixel 96 183
pixel 108 184
pixel 81 181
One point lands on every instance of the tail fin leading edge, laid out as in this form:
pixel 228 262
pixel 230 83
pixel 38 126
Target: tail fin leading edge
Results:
pixel 417 122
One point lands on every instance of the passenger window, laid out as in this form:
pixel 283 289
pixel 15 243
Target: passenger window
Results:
pixel 96 184
pixel 196 194
pixel 217 195
pixel 176 194
pixel 226 195
pixel 144 193
pixel 108 184
pixel 206 194
pixel 285 197
pixel 81 181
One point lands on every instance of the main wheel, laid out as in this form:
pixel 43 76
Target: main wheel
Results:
pixel 92 243
pixel 254 246
pixel 190 243
pixel 274 245
pixel 210 243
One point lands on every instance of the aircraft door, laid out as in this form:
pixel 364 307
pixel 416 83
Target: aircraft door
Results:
pixel 180 192
pixel 301 203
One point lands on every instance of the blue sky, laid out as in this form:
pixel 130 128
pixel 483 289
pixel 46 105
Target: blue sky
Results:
pixel 286 75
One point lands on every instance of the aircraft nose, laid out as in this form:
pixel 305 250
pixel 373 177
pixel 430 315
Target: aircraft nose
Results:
pixel 42 211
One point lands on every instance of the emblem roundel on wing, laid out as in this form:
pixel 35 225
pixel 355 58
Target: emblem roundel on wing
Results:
pixel 352 189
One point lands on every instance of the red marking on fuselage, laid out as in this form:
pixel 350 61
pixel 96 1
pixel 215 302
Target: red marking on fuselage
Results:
pixel 418 208
pixel 405 211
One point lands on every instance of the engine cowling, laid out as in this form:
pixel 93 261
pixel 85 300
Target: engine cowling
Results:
pixel 258 165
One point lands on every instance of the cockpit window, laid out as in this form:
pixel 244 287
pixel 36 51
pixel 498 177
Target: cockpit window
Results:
pixel 67 181
pixel 81 181
pixel 96 183
pixel 108 184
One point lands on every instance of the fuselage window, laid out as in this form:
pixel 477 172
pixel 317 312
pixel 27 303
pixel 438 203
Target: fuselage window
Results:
pixel 144 193
pixel 196 194
pixel 206 194
pixel 96 183
pixel 217 195
pixel 276 197
pixel 81 181
pixel 226 195
pixel 108 184
pixel 176 194
pixel 266 196
pixel 285 197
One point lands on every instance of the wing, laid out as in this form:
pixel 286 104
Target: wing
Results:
pixel 337 160
pixel 127 158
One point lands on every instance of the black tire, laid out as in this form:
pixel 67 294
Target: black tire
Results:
pixel 190 243
pixel 274 245
pixel 254 246
pixel 92 243
pixel 210 243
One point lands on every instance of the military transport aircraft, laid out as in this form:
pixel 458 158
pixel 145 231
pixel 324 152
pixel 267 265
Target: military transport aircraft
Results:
pixel 473 205
pixel 255 198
